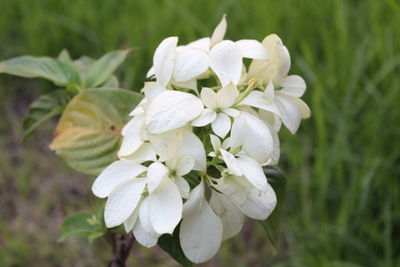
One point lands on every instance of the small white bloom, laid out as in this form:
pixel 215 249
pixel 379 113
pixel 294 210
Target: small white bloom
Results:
pixel 276 67
pixel 253 202
pixel 218 109
pixel 247 167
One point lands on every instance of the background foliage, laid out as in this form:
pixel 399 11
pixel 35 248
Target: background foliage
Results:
pixel 342 201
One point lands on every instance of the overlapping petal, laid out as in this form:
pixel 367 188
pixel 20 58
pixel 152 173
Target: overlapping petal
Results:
pixel 171 110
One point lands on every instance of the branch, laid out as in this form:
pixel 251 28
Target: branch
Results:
pixel 121 250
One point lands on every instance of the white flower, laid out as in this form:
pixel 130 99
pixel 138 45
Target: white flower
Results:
pixel 166 142
pixel 291 108
pixel 253 202
pixel 277 65
pixel 216 144
pixel 245 166
pixel 223 57
pixel 179 143
pixel 285 102
pixel 125 191
pixel 218 108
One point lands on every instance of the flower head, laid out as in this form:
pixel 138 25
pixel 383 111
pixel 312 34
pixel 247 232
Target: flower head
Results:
pixel 185 140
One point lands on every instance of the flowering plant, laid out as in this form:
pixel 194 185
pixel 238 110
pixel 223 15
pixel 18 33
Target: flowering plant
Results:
pixel 194 157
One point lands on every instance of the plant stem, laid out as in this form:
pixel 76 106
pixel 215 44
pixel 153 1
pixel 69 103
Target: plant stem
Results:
pixel 252 84
pixel 121 253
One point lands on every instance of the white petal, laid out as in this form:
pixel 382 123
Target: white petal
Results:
pixel 231 162
pixel 183 186
pixel 253 171
pixel 209 97
pixel 227 143
pixel 278 64
pixel 133 126
pixel 215 142
pixel 276 151
pixel 293 85
pixel 206 117
pixel 252 49
pixel 271 119
pixel 163 60
pixel 203 44
pixel 144 153
pixel 132 138
pixel 227 95
pixel 289 111
pixel 192 146
pixel 201 234
pixel 139 108
pixel 259 204
pixel 145 218
pixel 190 84
pixel 146 239
pixel 165 207
pixel 269 93
pixel 219 32
pixel 184 165
pixel 129 145
pixel 152 89
pixel 165 144
pixel 122 201
pixel 171 110
pixel 116 173
pixel 232 218
pixel 155 174
pixel 231 112
pixel 195 200
pixel 150 72
pixel 131 221
pixel 221 125
pixel 190 63
pixel 226 62
pixel 231 186
pixel 304 109
pixel 256 99
pixel 239 132
pixel 254 135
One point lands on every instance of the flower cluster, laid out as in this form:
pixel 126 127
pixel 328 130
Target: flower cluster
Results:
pixel 194 150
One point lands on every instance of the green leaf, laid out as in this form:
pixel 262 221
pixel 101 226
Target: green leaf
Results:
pixel 84 225
pixel 112 82
pixel 271 225
pixel 171 245
pixel 55 70
pixel 103 68
pixel 83 65
pixel 88 136
pixel 43 108
pixel 65 56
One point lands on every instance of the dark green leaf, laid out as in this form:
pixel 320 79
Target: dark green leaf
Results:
pixel 43 108
pixel 55 70
pixel 103 68
pixel 171 245
pixel 83 225
pixel 271 225
pixel 88 136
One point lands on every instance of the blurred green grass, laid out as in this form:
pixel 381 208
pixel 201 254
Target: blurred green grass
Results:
pixel 342 206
